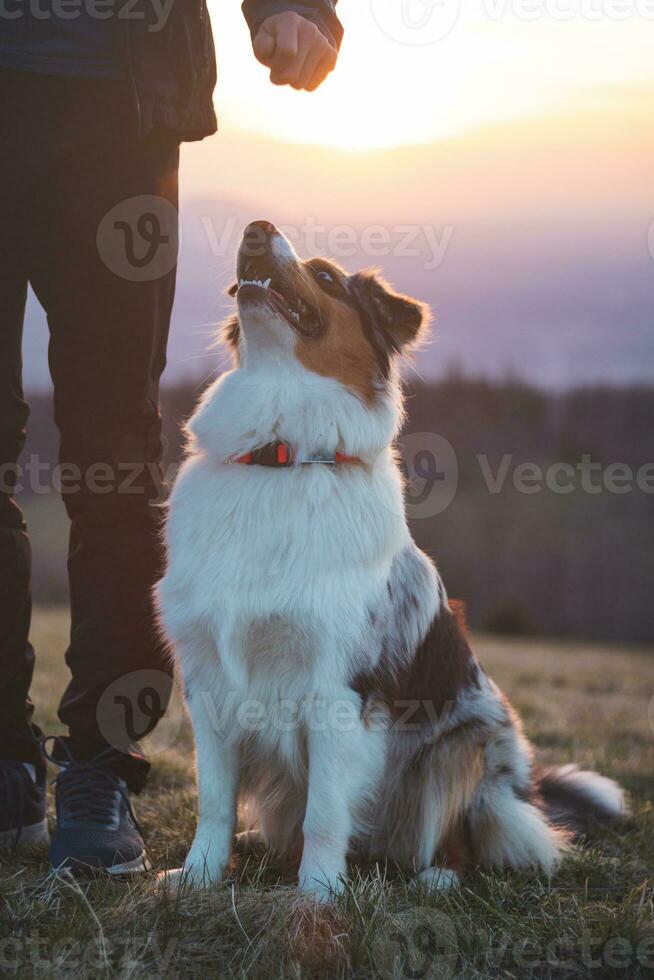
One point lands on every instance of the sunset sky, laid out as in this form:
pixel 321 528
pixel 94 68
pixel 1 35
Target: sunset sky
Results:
pixel 516 139
pixel 398 84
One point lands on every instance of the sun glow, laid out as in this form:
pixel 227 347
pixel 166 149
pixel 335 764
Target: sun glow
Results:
pixel 385 92
pixel 362 105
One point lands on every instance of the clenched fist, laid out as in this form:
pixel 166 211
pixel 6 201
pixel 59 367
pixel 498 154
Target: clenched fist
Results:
pixel 295 50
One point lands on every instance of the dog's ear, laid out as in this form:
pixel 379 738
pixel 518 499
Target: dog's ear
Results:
pixel 233 289
pixel 397 320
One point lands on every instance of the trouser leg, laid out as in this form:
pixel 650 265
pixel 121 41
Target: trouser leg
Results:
pixel 18 738
pixel 105 274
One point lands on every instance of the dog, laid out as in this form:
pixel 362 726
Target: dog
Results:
pixel 331 686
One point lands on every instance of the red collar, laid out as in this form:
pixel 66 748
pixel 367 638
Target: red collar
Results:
pixel 278 454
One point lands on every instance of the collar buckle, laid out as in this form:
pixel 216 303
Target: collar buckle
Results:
pixel 321 458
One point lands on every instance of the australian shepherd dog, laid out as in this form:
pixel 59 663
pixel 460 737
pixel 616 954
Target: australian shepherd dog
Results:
pixel 332 689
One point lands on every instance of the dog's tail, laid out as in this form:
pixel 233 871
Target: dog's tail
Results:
pixel 576 799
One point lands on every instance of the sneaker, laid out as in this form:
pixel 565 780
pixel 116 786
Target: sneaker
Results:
pixel 22 804
pixel 96 827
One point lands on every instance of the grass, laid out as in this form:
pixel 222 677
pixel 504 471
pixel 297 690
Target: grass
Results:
pixel 590 704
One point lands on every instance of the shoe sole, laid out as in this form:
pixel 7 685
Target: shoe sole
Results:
pixel 35 834
pixel 136 866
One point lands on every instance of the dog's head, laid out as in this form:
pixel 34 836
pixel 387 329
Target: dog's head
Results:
pixel 347 327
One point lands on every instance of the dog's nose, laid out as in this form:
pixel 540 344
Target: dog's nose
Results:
pixel 257 238
pixel 265 227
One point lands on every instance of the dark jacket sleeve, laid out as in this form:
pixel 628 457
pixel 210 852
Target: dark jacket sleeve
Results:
pixel 320 12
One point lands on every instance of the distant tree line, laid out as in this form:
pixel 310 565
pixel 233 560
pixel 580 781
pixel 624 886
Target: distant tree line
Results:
pixel 550 529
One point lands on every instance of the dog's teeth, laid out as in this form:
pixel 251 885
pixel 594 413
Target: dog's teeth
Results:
pixel 263 283
pixel 295 315
pixel 253 282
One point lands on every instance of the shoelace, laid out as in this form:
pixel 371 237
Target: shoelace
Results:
pixel 85 790
pixel 12 791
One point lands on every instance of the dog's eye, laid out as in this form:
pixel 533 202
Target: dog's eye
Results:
pixel 321 274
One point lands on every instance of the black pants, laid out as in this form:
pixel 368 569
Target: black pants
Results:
pixel 88 218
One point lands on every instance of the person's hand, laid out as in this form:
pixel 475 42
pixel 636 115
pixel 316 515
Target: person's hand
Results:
pixel 295 50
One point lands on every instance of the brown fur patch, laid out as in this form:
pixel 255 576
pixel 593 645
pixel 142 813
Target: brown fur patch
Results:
pixel 458 607
pixel 461 767
pixel 431 681
pixel 342 351
pixel 230 335
pixel 454 850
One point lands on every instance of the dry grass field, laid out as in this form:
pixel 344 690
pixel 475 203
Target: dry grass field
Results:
pixel 590 704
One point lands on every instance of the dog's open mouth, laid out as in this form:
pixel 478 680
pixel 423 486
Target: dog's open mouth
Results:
pixel 283 298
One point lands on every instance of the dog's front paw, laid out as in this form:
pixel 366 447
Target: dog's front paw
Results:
pixel 314 883
pixel 188 877
pixel 204 867
pixel 170 882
